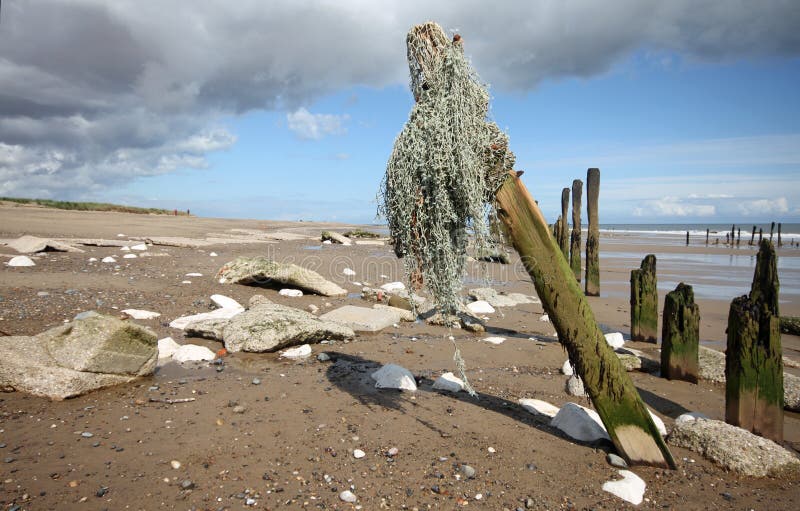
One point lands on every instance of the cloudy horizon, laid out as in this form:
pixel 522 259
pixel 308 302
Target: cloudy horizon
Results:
pixel 288 109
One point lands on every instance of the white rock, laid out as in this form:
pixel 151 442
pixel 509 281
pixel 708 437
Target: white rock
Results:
pixel 393 287
pixel 120 235
pixel 186 282
pixel 615 340
pixel 494 340
pixel 393 376
pixel 357 284
pixel 630 488
pixel 659 423
pixel 223 302
pixel 358 454
pixel 348 272
pixel 194 274
pixel 580 423
pixel 141 314
pixel 298 352
pixel 21 261
pixel 108 259
pixel 140 246
pixel 575 386
pixel 224 313
pixel 567 368
pixel 348 496
pixel 167 347
pixel 539 407
pixel 92 259
pixel 175 464
pixel 125 248
pixel 449 382
pixel 544 317
pixel 212 254
pixel 480 307
pixel 691 417
pixel 294 293
pixel 192 353
pixel 130 256
pixel 327 242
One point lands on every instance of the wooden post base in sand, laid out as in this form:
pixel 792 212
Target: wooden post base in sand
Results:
pixel 680 337
pixel 644 301
pixel 753 360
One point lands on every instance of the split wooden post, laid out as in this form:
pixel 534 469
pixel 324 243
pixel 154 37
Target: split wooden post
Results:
pixel 613 394
pixel 644 301
pixel 593 233
pixel 575 237
pixel 753 360
pixel 680 336
pixel 753 236
pixel 563 231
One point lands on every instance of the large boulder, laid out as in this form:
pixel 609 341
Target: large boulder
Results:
pixel 78 357
pixel 264 271
pixel 32 244
pixel 734 448
pixel 269 326
pixel 102 344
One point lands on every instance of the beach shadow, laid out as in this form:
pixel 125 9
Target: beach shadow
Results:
pixel 661 404
pixel 351 374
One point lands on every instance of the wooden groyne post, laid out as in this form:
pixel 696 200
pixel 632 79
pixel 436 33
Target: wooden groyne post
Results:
pixel 593 235
pixel 680 335
pixel 753 360
pixel 707 231
pixel 563 231
pixel 753 236
pixel 575 237
pixel 771 230
pixel 644 301
pixel 780 241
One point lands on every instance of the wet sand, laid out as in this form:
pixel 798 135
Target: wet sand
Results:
pixel 302 421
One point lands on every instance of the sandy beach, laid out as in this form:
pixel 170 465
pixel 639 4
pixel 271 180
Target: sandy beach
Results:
pixel 282 433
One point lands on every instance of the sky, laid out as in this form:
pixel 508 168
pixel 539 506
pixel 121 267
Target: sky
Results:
pixel 288 109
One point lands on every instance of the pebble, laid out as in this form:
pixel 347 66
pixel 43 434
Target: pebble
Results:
pixel 187 484
pixel 468 471
pixel 101 491
pixel 175 464
pixel 492 450
pixel 393 451
pixel 358 454
pixel 256 381
pixel 323 357
pixel 616 461
pixel 239 409
pixel 347 496
pixel 86 434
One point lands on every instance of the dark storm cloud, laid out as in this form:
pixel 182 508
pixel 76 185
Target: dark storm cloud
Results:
pixel 94 93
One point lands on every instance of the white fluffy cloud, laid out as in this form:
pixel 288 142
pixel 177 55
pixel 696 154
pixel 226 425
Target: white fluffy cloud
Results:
pixel 135 87
pixel 673 207
pixel 764 206
pixel 315 126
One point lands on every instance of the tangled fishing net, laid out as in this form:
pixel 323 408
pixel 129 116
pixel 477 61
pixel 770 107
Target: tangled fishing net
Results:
pixel 445 167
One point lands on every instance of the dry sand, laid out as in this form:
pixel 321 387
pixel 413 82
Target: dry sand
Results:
pixel 292 446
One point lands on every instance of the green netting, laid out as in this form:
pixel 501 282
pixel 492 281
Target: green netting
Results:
pixel 444 168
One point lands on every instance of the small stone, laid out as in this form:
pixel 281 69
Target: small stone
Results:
pixel 348 496
pixel 87 434
pixel 256 381
pixel 323 357
pixel 101 491
pixel 358 454
pixel 468 471
pixel 187 484
pixel 250 502
pixel 239 409
pixel 175 464
pixel 393 451
pixel 575 386
pixel 616 461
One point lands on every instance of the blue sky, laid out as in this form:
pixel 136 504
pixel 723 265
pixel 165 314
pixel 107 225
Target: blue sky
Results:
pixel 691 111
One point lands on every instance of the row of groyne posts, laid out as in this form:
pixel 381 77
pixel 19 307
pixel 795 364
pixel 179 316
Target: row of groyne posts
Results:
pixel 753 359
pixel 734 238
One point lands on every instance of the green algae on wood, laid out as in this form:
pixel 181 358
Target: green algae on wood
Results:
pixel 680 336
pixel 611 390
pixel 563 230
pixel 644 301
pixel 753 361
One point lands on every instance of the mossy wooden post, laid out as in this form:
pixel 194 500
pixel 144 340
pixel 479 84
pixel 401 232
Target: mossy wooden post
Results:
pixel 738 236
pixel 575 237
pixel 644 301
pixel 771 230
pixel 563 231
pixel 612 391
pixel 753 360
pixel 753 236
pixel 733 232
pixel 780 241
pixel 680 336
pixel 557 230
pixel 687 238
pixel 593 233
pixel 707 231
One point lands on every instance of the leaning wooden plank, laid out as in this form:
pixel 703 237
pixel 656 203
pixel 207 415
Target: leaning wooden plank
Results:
pixel 612 392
